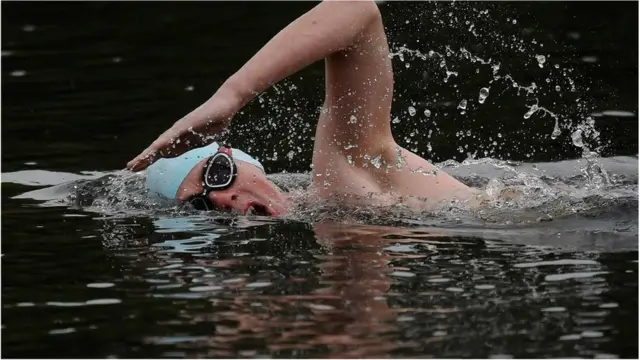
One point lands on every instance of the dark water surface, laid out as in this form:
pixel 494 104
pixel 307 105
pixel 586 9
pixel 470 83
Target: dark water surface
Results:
pixel 86 86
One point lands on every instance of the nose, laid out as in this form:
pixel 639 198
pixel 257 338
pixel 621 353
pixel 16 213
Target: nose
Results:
pixel 224 200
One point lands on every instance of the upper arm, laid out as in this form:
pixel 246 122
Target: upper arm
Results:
pixel 359 92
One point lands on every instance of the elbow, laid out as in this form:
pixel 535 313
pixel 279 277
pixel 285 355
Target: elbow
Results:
pixel 367 10
pixel 372 12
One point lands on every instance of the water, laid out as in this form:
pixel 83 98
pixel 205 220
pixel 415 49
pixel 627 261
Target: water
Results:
pixel 548 268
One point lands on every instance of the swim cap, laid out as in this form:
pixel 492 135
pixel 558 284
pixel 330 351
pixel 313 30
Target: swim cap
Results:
pixel 165 175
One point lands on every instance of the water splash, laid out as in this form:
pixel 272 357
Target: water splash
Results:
pixel 484 93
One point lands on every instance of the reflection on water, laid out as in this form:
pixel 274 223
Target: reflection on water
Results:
pixel 253 287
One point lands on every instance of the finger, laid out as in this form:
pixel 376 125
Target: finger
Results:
pixel 143 160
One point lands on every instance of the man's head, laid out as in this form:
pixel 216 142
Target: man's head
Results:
pixel 180 179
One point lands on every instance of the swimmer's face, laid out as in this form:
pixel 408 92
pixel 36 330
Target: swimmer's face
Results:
pixel 251 192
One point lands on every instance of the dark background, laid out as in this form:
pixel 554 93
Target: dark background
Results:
pixel 104 79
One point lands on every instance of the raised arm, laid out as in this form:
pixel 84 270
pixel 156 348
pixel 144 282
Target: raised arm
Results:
pixel 330 27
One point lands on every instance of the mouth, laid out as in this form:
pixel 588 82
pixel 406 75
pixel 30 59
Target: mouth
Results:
pixel 257 209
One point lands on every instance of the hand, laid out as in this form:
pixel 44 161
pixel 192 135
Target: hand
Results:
pixel 199 128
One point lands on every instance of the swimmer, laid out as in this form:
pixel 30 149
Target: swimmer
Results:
pixel 354 155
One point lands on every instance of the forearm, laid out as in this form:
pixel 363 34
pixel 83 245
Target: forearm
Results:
pixel 329 27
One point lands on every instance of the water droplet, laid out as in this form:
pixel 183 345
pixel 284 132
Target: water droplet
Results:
pixel 407 65
pixel 412 110
pixel 514 21
pixel 353 119
pixel 395 120
pixel 377 161
pixel 556 131
pixel 557 87
pixel 189 88
pixel 18 73
pixel 484 92
pixel 541 60
pixel 576 138
pixel 532 110
pixel 427 113
pixel 463 104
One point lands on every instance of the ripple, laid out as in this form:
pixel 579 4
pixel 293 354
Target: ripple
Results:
pixel 454 289
pixel 206 288
pixel 258 284
pixel 605 356
pixel 101 285
pixel 169 340
pixel 485 287
pixel 103 302
pixel 62 331
pixel 64 303
pixel 620 113
pixel 405 318
pixel 405 274
pixel 569 337
pixel 591 334
pixel 439 280
pixel 554 309
pixel 576 275
pixel 608 305
pixel 321 307
pixel 556 263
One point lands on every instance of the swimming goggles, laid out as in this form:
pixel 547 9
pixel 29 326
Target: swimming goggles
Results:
pixel 219 173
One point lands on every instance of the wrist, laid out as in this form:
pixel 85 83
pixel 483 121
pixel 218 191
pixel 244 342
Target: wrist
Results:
pixel 238 91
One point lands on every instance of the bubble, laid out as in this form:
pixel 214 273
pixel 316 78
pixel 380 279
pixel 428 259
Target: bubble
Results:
pixel 412 110
pixel 484 93
pixel 541 60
